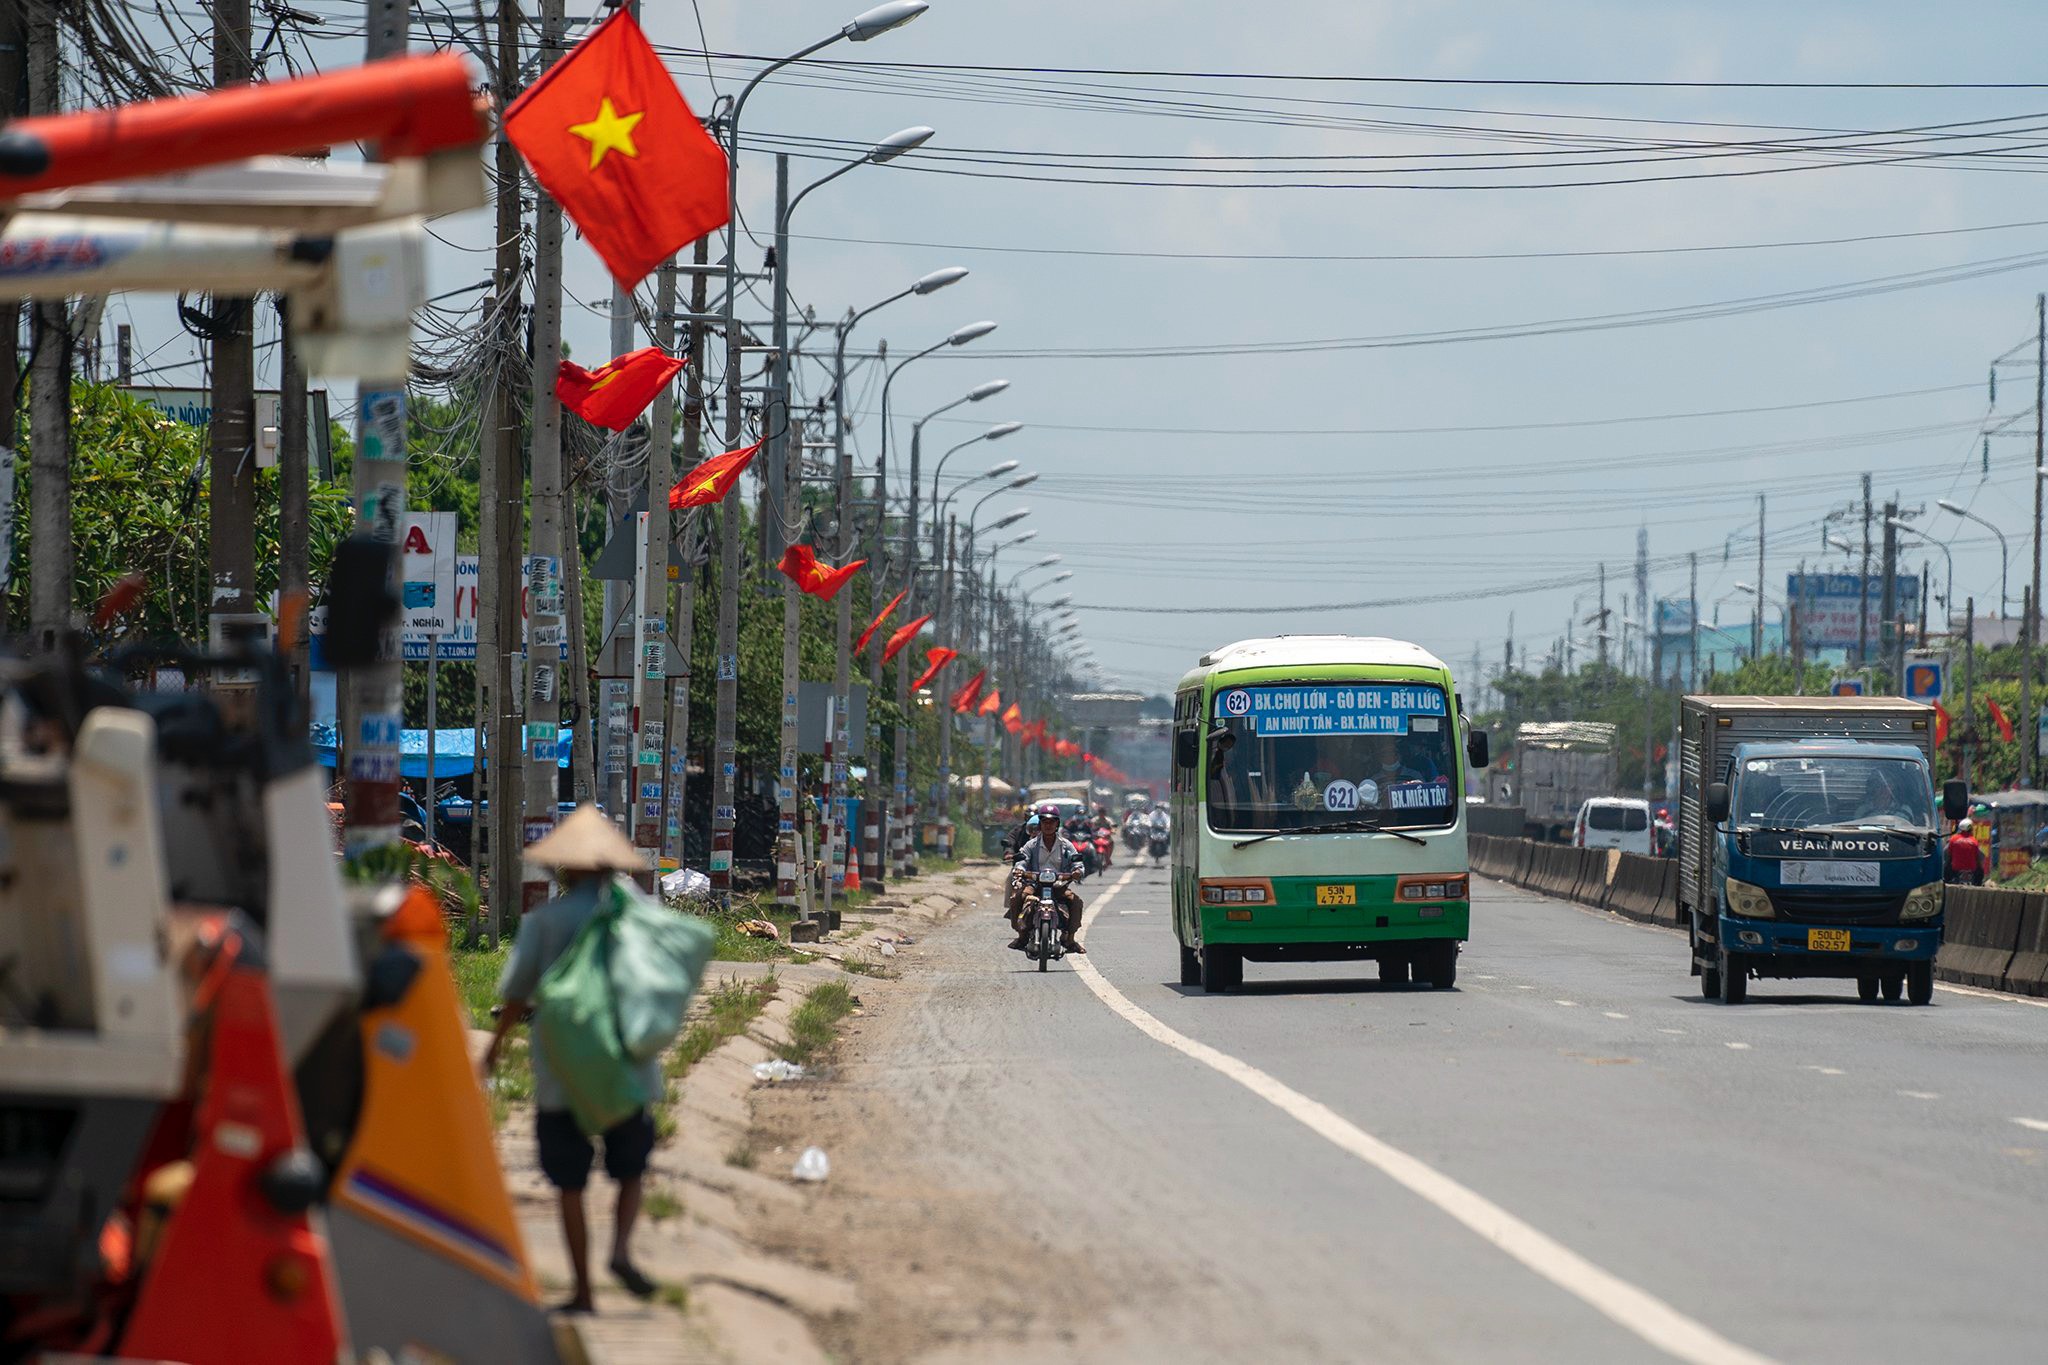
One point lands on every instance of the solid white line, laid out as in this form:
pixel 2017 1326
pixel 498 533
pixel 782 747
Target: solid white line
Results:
pixel 1991 995
pixel 2038 1125
pixel 1634 1309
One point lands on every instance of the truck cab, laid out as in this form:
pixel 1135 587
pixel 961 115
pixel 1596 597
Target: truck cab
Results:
pixel 1817 856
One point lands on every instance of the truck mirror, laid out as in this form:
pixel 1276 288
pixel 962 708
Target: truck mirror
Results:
pixel 1478 751
pixel 1717 801
pixel 360 603
pixel 1186 749
pixel 1955 799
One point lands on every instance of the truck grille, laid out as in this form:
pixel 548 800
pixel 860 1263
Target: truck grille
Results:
pixel 1837 905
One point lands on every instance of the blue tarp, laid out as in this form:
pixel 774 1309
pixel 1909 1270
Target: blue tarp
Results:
pixel 454 751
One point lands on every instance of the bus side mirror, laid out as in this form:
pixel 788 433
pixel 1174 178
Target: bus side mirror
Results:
pixel 1955 799
pixel 1186 748
pixel 1478 750
pixel 1717 801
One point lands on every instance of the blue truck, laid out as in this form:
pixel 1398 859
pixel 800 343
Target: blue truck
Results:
pixel 1810 842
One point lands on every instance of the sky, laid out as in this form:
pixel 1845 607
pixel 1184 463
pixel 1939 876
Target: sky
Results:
pixel 1456 485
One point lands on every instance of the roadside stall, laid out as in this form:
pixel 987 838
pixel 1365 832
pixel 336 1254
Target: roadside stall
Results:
pixel 2014 820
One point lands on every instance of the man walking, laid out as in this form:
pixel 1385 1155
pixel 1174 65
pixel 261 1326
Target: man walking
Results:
pixel 586 853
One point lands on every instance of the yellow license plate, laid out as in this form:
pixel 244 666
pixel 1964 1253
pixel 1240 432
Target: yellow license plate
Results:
pixel 1827 940
pixel 1336 895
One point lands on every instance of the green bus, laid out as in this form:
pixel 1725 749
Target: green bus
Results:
pixel 1319 809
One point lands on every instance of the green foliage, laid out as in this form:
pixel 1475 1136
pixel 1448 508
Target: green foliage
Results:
pixel 1593 693
pixel 727 1012
pixel 814 1025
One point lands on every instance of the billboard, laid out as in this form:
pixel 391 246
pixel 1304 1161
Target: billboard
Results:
pixel 1828 604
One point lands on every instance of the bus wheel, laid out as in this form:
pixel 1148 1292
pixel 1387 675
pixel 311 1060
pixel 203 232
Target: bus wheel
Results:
pixel 1438 965
pixel 1866 989
pixel 1920 982
pixel 1894 983
pixel 1393 971
pixel 1190 966
pixel 1222 968
pixel 1734 979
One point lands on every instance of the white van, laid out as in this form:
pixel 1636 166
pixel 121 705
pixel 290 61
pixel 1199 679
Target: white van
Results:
pixel 1613 822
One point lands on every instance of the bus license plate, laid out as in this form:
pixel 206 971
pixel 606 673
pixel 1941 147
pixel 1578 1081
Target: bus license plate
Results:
pixel 1827 940
pixel 1336 895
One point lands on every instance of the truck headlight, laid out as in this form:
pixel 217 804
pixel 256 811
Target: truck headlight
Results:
pixel 1750 902
pixel 1922 902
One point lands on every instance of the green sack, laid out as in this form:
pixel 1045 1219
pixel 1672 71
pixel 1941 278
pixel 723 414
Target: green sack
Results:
pixel 658 957
pixel 576 1027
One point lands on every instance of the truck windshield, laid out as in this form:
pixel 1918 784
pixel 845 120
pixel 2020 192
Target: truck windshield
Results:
pixel 1834 789
pixel 1301 757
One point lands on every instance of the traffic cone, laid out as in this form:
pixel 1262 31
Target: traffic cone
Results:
pixel 852 867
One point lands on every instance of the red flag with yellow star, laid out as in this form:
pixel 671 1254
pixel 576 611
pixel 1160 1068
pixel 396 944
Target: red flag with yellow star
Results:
pixel 933 662
pixel 876 624
pixel 903 636
pixel 800 564
pixel 614 393
pixel 710 481
pixel 608 135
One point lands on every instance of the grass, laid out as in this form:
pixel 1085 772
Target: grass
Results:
pixel 661 1204
pixel 814 1025
pixel 734 946
pixel 476 981
pixel 727 1011
pixel 675 1296
pixel 741 1156
pixel 860 964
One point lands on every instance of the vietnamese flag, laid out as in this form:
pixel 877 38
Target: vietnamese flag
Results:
pixel 1013 719
pixel 2003 721
pixel 614 393
pixel 933 662
pixel 1940 724
pixel 903 637
pixel 608 135
pixel 710 481
pixel 876 624
pixel 800 564
pixel 992 703
pixel 969 694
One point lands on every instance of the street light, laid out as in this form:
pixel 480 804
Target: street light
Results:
pixel 2004 550
pixel 879 20
pixel 994 433
pixel 1897 524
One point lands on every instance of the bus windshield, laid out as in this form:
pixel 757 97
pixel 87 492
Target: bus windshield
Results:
pixel 1834 790
pixel 1297 757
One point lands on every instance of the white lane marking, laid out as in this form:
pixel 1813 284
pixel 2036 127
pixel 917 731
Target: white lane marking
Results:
pixel 1740 1047
pixel 2038 1125
pixel 1991 995
pixel 1679 1031
pixel 1134 912
pixel 1825 1070
pixel 1636 1310
pixel 1568 1004
pixel 1614 1014
pixel 1919 1094
pixel 1480 976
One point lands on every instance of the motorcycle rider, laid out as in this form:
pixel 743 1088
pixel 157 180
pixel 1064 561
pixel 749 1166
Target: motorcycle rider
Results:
pixel 1053 850
pixel 1020 839
pixel 1161 830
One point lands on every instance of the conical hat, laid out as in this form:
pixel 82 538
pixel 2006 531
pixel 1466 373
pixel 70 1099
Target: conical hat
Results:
pixel 586 842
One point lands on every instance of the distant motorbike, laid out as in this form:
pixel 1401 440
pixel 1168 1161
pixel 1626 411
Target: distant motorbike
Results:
pixel 1083 840
pixel 1134 835
pixel 1105 846
pixel 1041 920
pixel 1157 843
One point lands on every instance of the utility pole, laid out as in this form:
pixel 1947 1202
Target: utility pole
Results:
pixel 2031 739
pixel 2030 628
pixel 683 617
pixel 1692 613
pixel 13 100
pixel 650 639
pixel 1601 637
pixel 1970 691
pixel 501 513
pixel 49 411
pixel 838 731
pixel 231 432
pixel 1863 590
pixel 547 632
pixel 786 478
pixel 1887 626
pixel 944 710
pixel 1756 629
pixel 293 491
pixel 372 708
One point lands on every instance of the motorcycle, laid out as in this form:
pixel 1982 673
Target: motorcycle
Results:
pixel 1042 920
pixel 1134 835
pixel 1105 846
pixel 1083 840
pixel 1157 843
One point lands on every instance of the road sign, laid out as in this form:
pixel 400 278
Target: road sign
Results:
pixel 428 546
pixel 1846 687
pixel 1924 679
pixel 1829 604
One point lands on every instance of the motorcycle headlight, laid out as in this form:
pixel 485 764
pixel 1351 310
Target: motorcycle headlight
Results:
pixel 1750 902
pixel 1922 902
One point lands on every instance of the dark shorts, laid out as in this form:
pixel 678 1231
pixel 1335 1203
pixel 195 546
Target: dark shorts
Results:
pixel 565 1153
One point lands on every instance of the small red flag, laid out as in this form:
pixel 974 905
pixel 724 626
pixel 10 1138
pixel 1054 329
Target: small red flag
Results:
pixel 607 133
pixel 862 643
pixel 992 703
pixel 2003 721
pixel 903 636
pixel 970 693
pixel 800 564
pixel 1940 724
pixel 1013 719
pixel 933 662
pixel 614 393
pixel 710 481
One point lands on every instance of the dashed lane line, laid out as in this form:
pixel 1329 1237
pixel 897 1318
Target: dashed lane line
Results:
pixel 1738 1047
pixel 1614 1014
pixel 2038 1125
pixel 1629 1307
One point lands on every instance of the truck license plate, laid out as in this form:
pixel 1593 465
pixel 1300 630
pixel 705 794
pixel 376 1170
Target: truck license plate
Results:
pixel 1336 895
pixel 1827 940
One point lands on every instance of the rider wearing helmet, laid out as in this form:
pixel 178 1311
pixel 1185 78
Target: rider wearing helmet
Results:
pixel 1048 849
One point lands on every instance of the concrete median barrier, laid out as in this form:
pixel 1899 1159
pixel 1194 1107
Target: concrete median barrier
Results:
pixel 2027 973
pixel 1637 886
pixel 1667 892
pixel 1981 930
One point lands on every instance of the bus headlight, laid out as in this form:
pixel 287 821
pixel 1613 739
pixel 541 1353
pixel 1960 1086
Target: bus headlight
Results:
pixel 1750 902
pixel 1922 902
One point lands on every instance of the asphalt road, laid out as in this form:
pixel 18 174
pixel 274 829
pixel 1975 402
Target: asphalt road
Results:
pixel 1571 1156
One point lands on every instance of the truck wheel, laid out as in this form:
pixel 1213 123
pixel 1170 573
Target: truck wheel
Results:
pixel 1920 982
pixel 1892 983
pixel 1866 989
pixel 1734 979
pixel 1710 981
pixel 1222 969
pixel 1190 966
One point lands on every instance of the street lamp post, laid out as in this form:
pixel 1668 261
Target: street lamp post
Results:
pixel 2004 550
pixel 1948 559
pixel 725 736
pixel 991 605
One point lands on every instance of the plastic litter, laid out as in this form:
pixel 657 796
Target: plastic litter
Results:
pixel 778 1070
pixel 685 884
pixel 812 1165
pixel 888 948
